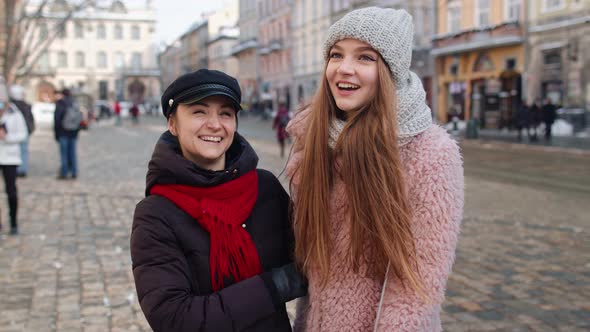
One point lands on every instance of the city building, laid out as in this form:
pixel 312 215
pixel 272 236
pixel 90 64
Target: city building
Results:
pixel 274 50
pixel 246 52
pixel 558 50
pixel 479 60
pixel 223 33
pixel 170 62
pixel 104 52
pixel 311 20
pixel 219 51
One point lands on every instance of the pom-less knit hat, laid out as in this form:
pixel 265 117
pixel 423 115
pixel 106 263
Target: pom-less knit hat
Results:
pixel 390 32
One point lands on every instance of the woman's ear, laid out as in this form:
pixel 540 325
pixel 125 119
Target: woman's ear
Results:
pixel 172 124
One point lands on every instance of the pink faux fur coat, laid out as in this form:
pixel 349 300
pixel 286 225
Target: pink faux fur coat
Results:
pixel 434 177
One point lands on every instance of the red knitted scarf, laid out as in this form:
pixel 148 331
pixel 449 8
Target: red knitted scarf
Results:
pixel 221 210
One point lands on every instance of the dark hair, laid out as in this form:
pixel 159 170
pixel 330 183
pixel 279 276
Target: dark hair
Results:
pixel 66 92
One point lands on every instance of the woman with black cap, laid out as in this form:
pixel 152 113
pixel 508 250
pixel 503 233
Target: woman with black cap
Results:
pixel 212 242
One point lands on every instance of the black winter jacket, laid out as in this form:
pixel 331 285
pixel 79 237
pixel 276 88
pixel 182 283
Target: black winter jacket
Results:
pixel 60 111
pixel 170 250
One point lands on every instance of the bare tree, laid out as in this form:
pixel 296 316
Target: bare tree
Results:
pixel 23 48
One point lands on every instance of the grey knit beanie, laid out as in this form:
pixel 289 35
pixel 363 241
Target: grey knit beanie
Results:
pixel 390 32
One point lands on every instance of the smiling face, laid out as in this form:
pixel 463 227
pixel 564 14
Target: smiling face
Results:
pixel 352 73
pixel 205 130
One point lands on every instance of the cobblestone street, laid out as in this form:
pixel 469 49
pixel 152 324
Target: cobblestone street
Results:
pixel 523 261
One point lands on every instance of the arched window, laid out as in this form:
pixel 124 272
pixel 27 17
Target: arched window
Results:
pixel 483 63
pixel 79 30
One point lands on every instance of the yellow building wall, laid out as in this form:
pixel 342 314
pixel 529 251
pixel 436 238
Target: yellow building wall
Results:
pixel 466 74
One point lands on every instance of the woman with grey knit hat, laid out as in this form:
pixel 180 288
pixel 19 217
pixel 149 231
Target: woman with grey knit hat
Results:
pixel 377 187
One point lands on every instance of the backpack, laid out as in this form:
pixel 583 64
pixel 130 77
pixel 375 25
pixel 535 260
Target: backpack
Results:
pixel 72 118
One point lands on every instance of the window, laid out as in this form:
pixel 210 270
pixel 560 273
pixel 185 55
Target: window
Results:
pixel 44 61
pixel 119 60
pixel 453 17
pixel 552 57
pixel 482 13
pixel 551 5
pixel 483 63
pixel 118 32
pixel 101 60
pixel 80 60
pixel 63 32
pixel 513 10
pixel 101 32
pixel 62 59
pixel 43 31
pixel 136 61
pixel 135 33
pixel 79 30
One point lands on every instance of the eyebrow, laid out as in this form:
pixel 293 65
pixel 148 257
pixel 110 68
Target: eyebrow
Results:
pixel 358 49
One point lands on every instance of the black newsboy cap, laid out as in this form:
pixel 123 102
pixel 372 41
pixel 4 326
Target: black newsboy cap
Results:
pixel 195 86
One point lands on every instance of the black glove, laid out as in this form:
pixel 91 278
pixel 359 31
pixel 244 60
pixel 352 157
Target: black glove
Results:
pixel 289 282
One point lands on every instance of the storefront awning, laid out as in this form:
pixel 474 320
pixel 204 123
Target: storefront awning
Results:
pixel 477 45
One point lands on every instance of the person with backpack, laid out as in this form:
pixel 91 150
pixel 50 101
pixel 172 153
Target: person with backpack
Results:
pixel 280 123
pixel 67 118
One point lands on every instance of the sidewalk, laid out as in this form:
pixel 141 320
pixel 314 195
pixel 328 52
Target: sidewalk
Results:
pixel 573 144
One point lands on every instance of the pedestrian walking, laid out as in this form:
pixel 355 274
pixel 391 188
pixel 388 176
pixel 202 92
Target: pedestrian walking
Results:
pixel 549 116
pixel 13 131
pixel 66 125
pixel 535 118
pixel 134 110
pixel 280 124
pixel 521 120
pixel 117 110
pixel 377 187
pixel 211 243
pixel 17 97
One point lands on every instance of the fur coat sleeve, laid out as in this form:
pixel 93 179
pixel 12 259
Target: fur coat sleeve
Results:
pixel 434 172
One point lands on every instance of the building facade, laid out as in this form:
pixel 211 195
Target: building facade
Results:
pixel 311 20
pixel 246 52
pixel 274 51
pixel 559 52
pixel 102 53
pixel 170 63
pixel 219 52
pixel 479 60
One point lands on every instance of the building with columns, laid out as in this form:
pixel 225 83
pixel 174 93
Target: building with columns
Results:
pixel 104 52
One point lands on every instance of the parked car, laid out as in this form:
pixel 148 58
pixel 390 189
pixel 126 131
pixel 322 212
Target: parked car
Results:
pixel 574 116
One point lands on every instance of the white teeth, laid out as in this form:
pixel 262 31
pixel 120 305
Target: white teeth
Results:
pixel 348 86
pixel 211 138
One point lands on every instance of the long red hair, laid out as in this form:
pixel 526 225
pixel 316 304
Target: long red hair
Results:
pixel 371 168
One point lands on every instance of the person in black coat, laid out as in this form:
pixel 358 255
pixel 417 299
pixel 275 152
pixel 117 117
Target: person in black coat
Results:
pixel 549 116
pixel 211 243
pixel 66 138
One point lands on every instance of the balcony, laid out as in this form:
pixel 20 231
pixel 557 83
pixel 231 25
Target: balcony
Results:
pixel 244 46
pixel 275 45
pixel 263 50
pixel 505 34
pixel 139 71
